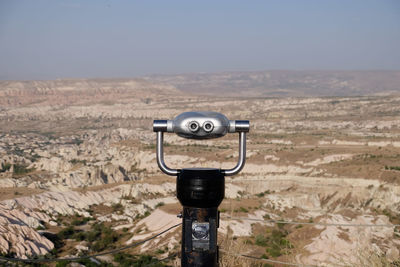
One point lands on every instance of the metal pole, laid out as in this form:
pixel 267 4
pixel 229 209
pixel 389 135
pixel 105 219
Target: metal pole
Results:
pixel 200 192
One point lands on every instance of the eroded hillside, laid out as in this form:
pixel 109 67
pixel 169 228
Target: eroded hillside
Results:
pixel 78 167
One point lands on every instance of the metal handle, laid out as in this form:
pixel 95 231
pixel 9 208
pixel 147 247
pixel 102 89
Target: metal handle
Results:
pixel 160 156
pixel 173 172
pixel 242 156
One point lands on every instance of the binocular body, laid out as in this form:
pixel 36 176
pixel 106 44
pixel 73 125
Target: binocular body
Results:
pixel 201 125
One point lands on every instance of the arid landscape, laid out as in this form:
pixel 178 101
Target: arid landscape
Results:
pixel 78 171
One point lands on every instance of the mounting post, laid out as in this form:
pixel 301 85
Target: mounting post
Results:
pixel 200 190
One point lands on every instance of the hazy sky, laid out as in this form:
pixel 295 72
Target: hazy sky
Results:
pixel 48 39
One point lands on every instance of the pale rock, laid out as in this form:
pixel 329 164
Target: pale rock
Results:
pixel 17 234
pixel 250 168
pixel 392 254
pixel 52 164
pixel 305 201
pixel 329 159
pixel 381 143
pixel 81 247
pixel 319 251
pixel 155 223
pixel 242 228
pixel 348 143
pixel 279 142
pixel 232 190
pixel 271 157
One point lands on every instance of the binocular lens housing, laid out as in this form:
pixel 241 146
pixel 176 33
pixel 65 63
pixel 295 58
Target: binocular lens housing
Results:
pixel 194 126
pixel 208 126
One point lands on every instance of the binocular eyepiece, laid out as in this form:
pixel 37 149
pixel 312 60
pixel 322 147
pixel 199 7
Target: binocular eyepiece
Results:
pixel 201 125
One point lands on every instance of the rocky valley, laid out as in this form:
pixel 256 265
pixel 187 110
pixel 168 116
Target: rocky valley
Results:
pixel 321 185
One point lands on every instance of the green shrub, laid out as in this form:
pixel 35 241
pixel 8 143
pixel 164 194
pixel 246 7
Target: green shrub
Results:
pixel 261 241
pixel 62 264
pixel 86 262
pixel 117 207
pixel 102 237
pixel 263 193
pixel 127 260
pixel 275 242
pixel 260 194
pixel 392 168
pixel 79 236
pixel 280 225
pixel 93 235
pixel 160 204
pixel 78 161
pixel 66 233
pixel 77 222
pixel 274 251
pixel 5 167
pixel 243 209
pixel 20 169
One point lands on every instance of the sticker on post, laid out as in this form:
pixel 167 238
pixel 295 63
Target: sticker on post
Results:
pixel 201 235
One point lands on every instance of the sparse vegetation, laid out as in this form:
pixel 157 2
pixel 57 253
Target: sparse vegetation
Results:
pixel 117 207
pixel 66 233
pixel 242 209
pixel 392 168
pixel 147 213
pixel 159 204
pixel 276 243
pixel 20 169
pixel 261 240
pixel 262 194
pixel 267 217
pixel 77 222
pixel 5 167
pixel 78 161
pixel 127 260
pixel 100 237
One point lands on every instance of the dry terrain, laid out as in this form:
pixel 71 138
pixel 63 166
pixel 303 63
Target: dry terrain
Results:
pixel 78 173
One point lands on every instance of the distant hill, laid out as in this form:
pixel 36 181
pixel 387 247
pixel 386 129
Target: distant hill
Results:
pixel 239 84
pixel 285 83
pixel 78 91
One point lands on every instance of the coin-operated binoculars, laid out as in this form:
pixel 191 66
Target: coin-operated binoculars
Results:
pixel 200 190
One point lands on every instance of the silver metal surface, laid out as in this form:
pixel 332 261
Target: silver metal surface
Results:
pixel 182 125
pixel 193 126
pixel 208 126
pixel 242 126
pixel 160 156
pixel 242 156
pixel 201 125
pixel 160 125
